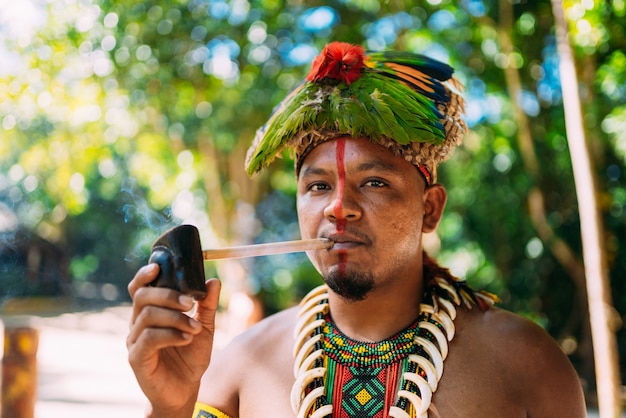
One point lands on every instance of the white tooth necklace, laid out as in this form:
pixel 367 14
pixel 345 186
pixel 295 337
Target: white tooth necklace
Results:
pixel 422 365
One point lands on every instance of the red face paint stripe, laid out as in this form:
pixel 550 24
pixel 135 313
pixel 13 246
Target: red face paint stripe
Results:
pixel 341 181
pixel 338 208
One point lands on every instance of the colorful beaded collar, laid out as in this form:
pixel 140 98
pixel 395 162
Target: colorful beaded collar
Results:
pixel 435 329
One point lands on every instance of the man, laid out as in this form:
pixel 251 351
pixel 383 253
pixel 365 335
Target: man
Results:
pixel 390 334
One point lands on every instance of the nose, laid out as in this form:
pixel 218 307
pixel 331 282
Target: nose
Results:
pixel 343 207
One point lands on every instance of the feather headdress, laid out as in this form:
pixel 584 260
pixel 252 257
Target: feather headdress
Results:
pixel 406 102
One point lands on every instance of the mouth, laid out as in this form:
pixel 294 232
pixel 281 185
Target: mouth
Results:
pixel 344 241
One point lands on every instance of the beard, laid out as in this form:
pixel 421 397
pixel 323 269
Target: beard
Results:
pixel 350 285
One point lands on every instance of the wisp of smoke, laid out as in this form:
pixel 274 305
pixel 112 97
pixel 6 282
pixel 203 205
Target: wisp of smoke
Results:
pixel 150 223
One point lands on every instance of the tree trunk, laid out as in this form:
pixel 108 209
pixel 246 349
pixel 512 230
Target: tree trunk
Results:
pixel 601 309
pixel 559 248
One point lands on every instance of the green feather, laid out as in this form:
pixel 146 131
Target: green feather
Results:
pixel 415 116
pixel 385 116
pixel 288 118
pixel 432 72
pixel 398 103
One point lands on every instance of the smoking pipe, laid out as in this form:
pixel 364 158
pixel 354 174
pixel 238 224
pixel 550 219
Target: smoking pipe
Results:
pixel 178 253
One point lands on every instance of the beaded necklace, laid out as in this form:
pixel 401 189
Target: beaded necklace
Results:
pixel 423 365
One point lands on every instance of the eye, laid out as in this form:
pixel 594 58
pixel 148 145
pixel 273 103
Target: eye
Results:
pixel 376 183
pixel 318 187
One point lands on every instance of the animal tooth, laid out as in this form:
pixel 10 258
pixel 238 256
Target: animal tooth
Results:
pixel 319 290
pixel 307 348
pixel 302 382
pixel 308 401
pixel 306 332
pixel 441 339
pixel 429 369
pixel 320 309
pixel 307 363
pixel 448 307
pixel 442 317
pixel 433 353
pixel 450 289
pixel 413 398
pixel 426 394
pixel 310 302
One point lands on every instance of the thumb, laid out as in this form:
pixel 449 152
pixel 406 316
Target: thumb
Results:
pixel 207 307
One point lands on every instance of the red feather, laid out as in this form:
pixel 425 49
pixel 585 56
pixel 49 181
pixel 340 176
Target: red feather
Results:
pixel 340 61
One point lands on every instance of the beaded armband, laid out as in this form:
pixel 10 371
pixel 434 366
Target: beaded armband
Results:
pixel 205 411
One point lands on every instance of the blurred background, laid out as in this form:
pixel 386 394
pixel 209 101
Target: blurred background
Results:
pixel 120 119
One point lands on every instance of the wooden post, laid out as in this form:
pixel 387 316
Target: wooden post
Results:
pixel 19 371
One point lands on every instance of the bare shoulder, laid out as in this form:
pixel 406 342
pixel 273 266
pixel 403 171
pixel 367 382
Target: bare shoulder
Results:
pixel 262 336
pixel 236 367
pixel 507 327
pixel 544 379
pixel 516 335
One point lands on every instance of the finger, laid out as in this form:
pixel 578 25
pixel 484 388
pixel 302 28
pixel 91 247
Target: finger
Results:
pixel 152 340
pixel 142 278
pixel 160 297
pixel 155 318
pixel 207 307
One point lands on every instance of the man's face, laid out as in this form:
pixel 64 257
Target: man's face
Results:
pixel 371 204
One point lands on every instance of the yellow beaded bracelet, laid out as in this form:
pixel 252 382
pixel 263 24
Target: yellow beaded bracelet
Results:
pixel 205 411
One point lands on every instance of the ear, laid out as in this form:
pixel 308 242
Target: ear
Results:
pixel 435 198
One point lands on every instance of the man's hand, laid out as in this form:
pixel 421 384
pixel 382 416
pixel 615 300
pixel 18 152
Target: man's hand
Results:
pixel 168 350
